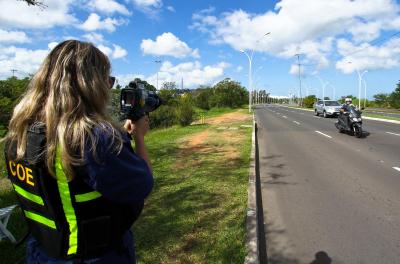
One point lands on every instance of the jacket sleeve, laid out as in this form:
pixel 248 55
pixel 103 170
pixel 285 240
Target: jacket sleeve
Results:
pixel 121 177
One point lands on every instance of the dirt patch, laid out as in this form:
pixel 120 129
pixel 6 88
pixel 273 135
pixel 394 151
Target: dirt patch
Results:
pixel 197 139
pixel 229 118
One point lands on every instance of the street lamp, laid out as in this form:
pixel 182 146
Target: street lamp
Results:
pixel 365 92
pixel 323 84
pixel 250 57
pixel 360 75
pixel 359 86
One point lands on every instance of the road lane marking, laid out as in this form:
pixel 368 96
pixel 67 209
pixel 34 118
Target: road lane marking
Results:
pixel 296 122
pixel 393 134
pixel 319 132
pixel 284 116
pixel 316 116
pixel 396 168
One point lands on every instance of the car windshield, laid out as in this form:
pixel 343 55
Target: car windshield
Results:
pixel 331 103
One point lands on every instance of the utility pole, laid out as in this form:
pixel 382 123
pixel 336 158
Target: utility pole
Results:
pixel 299 65
pixel 182 83
pixel 13 71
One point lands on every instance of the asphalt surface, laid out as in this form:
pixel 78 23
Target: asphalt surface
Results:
pixel 328 197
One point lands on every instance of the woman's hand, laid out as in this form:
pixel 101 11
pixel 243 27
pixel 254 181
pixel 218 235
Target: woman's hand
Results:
pixel 139 128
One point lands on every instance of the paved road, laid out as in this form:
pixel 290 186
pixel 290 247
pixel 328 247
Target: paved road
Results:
pixel 328 193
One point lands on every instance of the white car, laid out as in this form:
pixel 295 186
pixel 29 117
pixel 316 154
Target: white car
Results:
pixel 327 108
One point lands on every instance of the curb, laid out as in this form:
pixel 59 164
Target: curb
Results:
pixel 252 219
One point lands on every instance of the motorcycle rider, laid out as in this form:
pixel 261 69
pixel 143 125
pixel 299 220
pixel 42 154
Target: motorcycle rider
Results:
pixel 345 109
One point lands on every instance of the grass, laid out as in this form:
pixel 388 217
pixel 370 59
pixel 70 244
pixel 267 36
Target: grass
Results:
pixel 197 210
pixel 381 117
pixel 196 213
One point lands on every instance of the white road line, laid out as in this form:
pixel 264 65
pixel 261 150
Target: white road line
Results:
pixel 296 122
pixel 284 116
pixel 316 116
pixel 319 132
pixel 396 168
pixel 393 134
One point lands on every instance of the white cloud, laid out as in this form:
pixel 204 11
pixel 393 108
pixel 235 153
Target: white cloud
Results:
pixel 239 68
pixel 119 52
pixel 94 22
pixel 150 7
pixel 25 61
pixel 116 52
pixel 169 45
pixel 13 37
pixel 310 24
pixel 294 70
pixel 108 7
pixel 193 73
pixel 93 37
pixel 52 45
pixel 124 79
pixel 368 57
pixel 17 14
pixel 171 9
pixel 148 3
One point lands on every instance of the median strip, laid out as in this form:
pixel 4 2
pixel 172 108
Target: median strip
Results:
pixel 319 132
pixel 393 134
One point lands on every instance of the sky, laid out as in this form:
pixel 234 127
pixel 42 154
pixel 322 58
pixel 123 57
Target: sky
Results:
pixel 202 42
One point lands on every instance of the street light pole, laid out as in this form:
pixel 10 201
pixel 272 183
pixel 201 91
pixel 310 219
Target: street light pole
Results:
pixel 323 84
pixel 365 92
pixel 250 78
pixel 359 86
pixel 250 57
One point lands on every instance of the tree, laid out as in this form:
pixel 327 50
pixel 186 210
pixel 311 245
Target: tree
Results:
pixel 228 93
pixel 185 112
pixel 202 97
pixel 169 86
pixel 394 98
pixel 34 3
pixel 309 101
pixel 147 85
pixel 10 93
pixel 382 99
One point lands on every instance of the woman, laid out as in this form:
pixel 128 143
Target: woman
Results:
pixel 79 182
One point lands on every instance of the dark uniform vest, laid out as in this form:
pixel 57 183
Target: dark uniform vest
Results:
pixel 68 219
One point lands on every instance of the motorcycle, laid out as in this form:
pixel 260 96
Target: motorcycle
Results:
pixel 350 121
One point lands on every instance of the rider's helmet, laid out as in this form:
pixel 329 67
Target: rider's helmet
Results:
pixel 348 101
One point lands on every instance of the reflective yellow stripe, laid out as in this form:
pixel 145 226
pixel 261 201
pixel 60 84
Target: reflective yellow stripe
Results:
pixel 27 195
pixel 79 198
pixel 69 211
pixel 41 219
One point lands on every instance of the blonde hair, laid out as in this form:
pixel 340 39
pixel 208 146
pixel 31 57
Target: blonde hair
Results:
pixel 69 94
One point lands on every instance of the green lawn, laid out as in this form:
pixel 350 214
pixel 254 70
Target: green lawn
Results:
pixel 197 210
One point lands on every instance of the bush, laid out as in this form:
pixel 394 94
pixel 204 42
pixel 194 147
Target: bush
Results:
pixel 185 112
pixel 309 101
pixel 164 116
